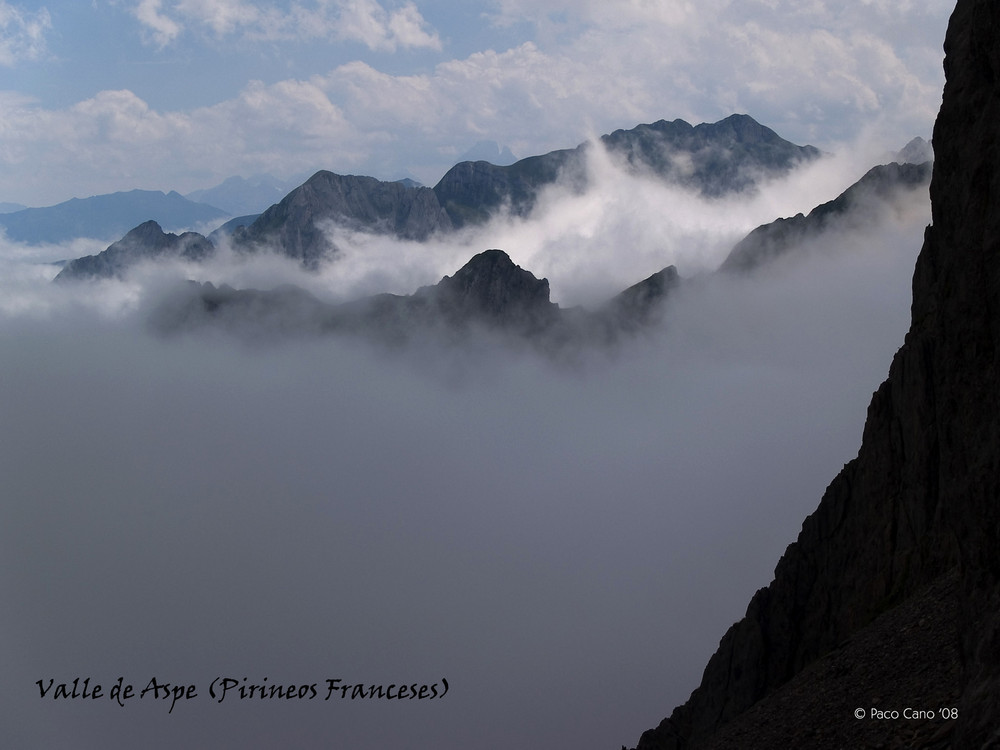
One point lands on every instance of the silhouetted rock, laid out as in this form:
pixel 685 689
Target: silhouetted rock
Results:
pixel 921 496
pixel 146 242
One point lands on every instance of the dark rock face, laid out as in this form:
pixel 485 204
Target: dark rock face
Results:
pixel 860 204
pixel 491 288
pixel 146 242
pixel 922 494
pixel 294 226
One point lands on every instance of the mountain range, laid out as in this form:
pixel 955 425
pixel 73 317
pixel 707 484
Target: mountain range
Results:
pixel 490 291
pixel 489 294
pixel 729 156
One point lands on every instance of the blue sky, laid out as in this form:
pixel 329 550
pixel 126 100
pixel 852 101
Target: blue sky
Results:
pixel 180 94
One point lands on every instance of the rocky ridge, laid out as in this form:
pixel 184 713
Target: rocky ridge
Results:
pixel 862 203
pixel 920 499
pixel 490 294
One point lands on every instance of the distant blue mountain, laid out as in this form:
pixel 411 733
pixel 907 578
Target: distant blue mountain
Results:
pixel 241 196
pixel 490 151
pixel 9 208
pixel 106 217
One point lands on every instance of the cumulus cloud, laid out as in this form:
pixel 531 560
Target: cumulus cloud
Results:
pixel 365 21
pixel 22 33
pixel 815 73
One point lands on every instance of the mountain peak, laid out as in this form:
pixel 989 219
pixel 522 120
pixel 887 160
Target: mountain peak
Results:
pixel 492 287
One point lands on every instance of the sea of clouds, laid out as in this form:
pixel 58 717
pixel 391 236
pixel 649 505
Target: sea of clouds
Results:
pixel 564 543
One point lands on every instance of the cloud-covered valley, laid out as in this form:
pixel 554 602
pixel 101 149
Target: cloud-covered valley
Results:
pixel 552 539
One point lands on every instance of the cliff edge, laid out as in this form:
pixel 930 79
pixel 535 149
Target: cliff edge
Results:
pixel 921 498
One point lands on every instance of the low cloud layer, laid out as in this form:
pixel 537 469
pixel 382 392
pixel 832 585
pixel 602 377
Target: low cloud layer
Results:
pixel 565 545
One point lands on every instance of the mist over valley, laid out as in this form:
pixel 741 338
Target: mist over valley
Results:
pixel 250 492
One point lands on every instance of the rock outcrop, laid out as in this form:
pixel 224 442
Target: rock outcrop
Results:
pixel 146 242
pixel 922 495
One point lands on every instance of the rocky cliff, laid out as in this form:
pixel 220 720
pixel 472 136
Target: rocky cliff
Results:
pixel 921 498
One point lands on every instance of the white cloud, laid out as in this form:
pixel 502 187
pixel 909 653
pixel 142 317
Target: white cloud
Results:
pixel 363 21
pixel 22 33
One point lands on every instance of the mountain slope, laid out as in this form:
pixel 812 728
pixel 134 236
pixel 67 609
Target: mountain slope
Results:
pixel 295 225
pixel 862 203
pixel 106 216
pixel 921 496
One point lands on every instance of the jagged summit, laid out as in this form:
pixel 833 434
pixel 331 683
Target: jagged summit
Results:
pixel 491 287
